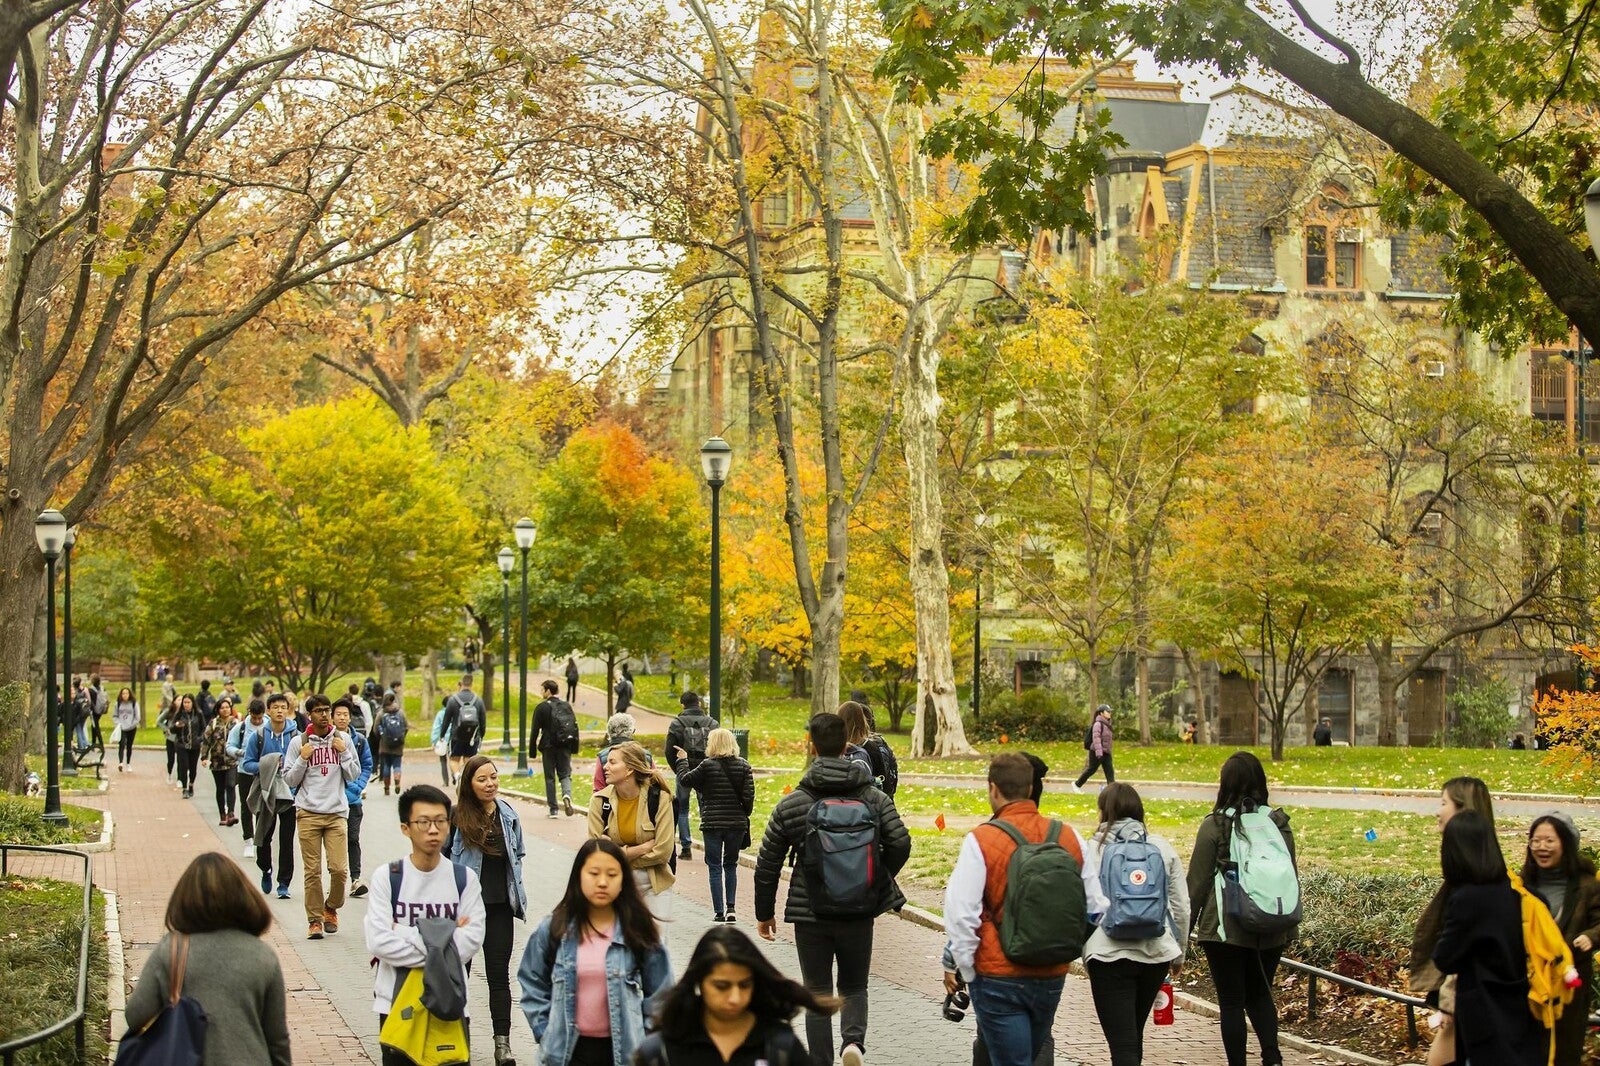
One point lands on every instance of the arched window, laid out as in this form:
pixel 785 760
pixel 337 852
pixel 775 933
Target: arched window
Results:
pixel 1333 241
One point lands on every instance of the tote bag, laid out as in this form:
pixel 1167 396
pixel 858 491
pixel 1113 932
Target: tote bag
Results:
pixel 176 1036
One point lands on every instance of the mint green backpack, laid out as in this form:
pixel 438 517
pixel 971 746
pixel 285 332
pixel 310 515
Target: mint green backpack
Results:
pixel 1258 886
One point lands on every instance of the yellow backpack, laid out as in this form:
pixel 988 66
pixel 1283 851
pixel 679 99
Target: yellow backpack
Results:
pixel 413 1031
pixel 1549 962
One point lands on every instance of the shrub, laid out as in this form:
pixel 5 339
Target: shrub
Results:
pixel 22 822
pixel 1038 714
pixel 1360 925
pixel 1478 714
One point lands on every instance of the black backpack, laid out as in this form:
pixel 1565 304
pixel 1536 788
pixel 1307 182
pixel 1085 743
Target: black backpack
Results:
pixel 782 1049
pixel 653 805
pixel 841 858
pixel 564 725
pixel 467 711
pixel 1088 736
pixel 885 767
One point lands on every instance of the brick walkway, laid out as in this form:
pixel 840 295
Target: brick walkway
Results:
pixel 330 982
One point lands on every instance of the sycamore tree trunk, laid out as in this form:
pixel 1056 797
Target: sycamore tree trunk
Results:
pixel 1389 679
pixel 21 595
pixel 1202 724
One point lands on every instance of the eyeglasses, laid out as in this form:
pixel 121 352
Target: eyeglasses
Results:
pixel 430 823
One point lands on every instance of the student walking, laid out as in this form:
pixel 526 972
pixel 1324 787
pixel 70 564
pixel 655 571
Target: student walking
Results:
pixel 355 790
pixel 832 909
pixel 391 730
pixel 554 741
pixel 440 740
pixel 1098 743
pixel 731 1007
pixel 464 715
pixel 126 717
pixel 572 679
pixel 486 838
pixel 422 885
pixel 1014 1000
pixel 624 690
pixel 686 740
pixel 595 969
pixel 238 737
pixel 1481 944
pixel 634 811
pixel 222 764
pixel 1242 962
pixel 727 791
pixel 320 765
pixel 1564 878
pixel 1135 947
pixel 273 805
pixel 169 711
pixel 212 951
pixel 188 731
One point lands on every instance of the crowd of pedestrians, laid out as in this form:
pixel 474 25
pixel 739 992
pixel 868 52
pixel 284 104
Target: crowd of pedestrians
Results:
pixel 1028 896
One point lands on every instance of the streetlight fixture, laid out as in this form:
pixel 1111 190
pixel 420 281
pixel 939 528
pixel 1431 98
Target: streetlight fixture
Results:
pixel 716 456
pixel 524 531
pixel 505 560
pixel 69 762
pixel 50 533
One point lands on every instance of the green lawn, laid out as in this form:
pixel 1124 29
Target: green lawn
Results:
pixel 40 937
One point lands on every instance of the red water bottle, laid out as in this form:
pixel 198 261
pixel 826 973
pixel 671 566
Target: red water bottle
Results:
pixel 1163 1009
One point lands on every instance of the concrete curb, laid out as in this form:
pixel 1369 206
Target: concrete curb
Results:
pixel 116 975
pixel 96 846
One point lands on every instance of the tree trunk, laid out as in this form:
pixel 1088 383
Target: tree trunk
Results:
pixel 1382 653
pixel 21 594
pixel 827 630
pixel 1202 724
pixel 430 683
pixel 1142 680
pixel 611 683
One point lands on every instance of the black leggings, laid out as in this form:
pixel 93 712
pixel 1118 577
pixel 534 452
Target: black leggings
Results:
pixel 172 756
pixel 1124 990
pixel 1243 979
pixel 188 766
pixel 497 936
pixel 225 792
pixel 125 747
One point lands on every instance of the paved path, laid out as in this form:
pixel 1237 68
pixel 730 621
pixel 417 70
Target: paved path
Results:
pixel 331 984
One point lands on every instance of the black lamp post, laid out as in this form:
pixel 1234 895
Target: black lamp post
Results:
pixel 715 458
pixel 50 532
pixel 980 520
pixel 69 762
pixel 524 531
pixel 1580 359
pixel 506 560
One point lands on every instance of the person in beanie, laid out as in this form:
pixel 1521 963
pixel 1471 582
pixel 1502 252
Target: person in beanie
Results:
pixel 1099 748
pixel 320 765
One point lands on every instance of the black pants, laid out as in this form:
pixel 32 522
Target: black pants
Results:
pixel 497 936
pixel 125 747
pixel 572 691
pixel 188 767
pixel 1095 762
pixel 557 769
pixel 1124 991
pixel 247 821
pixel 591 1051
pixel 223 779
pixel 819 944
pixel 1243 979
pixel 172 757
pixel 353 839
pixel 287 839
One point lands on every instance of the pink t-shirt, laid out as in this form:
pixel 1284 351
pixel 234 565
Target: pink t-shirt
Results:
pixel 594 1013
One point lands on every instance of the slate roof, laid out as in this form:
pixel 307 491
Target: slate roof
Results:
pixel 1251 195
pixel 1414 263
pixel 1155 126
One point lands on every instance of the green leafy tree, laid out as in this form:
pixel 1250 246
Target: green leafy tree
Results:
pixel 620 564
pixel 330 535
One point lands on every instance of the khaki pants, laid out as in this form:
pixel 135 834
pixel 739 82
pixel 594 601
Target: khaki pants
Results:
pixel 321 833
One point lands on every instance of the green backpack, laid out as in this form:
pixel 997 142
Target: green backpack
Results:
pixel 1258 886
pixel 1044 915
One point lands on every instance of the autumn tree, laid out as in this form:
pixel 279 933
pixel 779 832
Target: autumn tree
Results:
pixel 1271 565
pixel 1503 150
pixel 620 563
pixel 329 537
pixel 176 168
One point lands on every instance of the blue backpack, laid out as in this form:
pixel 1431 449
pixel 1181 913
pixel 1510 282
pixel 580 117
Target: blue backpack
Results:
pixel 1133 875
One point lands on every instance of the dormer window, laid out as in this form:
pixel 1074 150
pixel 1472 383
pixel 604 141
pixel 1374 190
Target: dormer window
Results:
pixel 1332 250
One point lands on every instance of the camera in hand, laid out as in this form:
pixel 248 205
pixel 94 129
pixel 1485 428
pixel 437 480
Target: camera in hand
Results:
pixel 956 1004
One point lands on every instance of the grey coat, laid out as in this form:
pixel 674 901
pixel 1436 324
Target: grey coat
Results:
pixel 236 978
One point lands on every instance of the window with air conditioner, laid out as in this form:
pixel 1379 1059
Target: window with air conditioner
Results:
pixel 1431 521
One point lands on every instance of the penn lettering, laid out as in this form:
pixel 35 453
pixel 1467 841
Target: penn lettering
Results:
pixel 411 913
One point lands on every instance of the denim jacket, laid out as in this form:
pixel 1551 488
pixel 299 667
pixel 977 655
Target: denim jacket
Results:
pixel 550 996
pixel 458 850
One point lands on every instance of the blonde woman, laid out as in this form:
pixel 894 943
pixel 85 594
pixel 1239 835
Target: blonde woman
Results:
pixel 634 811
pixel 727 796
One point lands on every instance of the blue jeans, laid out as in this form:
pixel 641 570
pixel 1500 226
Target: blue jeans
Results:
pixel 680 810
pixel 722 863
pixel 1014 1015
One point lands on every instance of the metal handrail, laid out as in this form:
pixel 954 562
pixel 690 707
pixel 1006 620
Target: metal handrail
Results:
pixel 9 1049
pixel 1316 973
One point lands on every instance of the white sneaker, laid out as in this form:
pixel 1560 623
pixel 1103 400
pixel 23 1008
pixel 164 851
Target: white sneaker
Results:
pixel 249 851
pixel 1076 789
pixel 852 1056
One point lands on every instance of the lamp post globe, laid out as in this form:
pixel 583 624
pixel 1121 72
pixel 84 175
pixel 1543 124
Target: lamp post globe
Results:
pixel 50 533
pixel 716 456
pixel 524 532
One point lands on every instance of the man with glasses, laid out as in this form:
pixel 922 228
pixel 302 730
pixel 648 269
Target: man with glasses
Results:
pixel 422 885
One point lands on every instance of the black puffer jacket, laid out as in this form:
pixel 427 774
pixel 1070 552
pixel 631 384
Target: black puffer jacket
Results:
pixel 727 791
pixel 786 831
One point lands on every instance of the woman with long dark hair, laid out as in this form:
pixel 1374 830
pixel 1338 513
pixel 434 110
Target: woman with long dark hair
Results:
pixel 1563 877
pixel 188 730
pixel 1481 943
pixel 594 970
pixel 213 951
pixel 126 717
pixel 731 1008
pixel 1242 963
pixel 486 835
pixel 222 764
